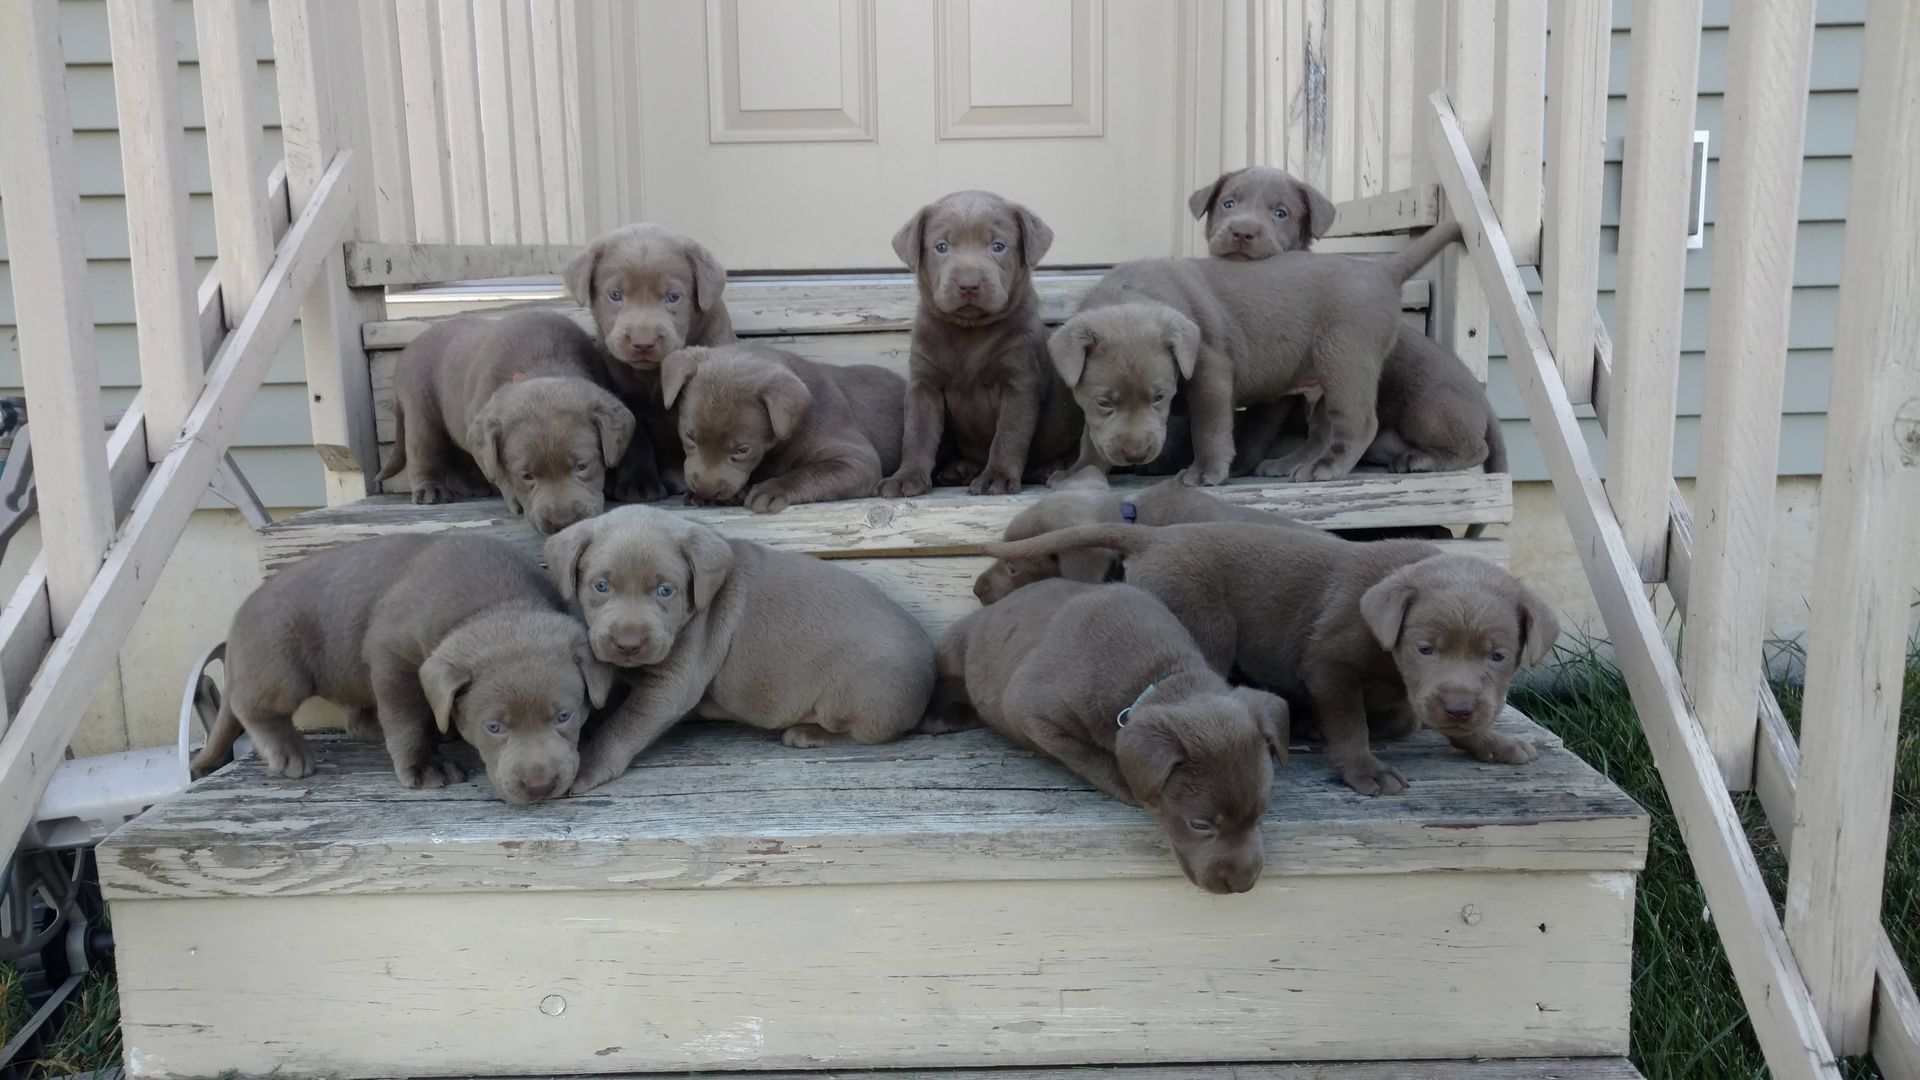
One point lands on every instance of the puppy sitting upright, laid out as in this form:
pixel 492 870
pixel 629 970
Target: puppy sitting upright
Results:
pixel 769 428
pixel 1104 680
pixel 1260 211
pixel 735 631
pixel 408 634
pixel 519 398
pixel 1395 628
pixel 979 377
pixel 652 292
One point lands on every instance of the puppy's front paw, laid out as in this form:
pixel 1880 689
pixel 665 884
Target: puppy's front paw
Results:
pixel 1371 776
pixel 637 489
pixel 995 480
pixel 1497 749
pixel 432 491
pixel 766 499
pixel 1198 475
pixel 902 485
pixel 435 772
pixel 1316 470
pixel 808 736
pixel 288 757
pixel 590 777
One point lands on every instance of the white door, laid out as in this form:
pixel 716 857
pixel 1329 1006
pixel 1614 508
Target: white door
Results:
pixel 800 134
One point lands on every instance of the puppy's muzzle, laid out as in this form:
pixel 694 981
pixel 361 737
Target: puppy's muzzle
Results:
pixel 625 647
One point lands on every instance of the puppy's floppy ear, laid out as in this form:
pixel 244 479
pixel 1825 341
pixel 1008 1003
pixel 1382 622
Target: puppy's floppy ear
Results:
pixel 710 559
pixel 677 370
pixel 615 423
pixel 786 399
pixel 599 677
pixel 485 434
pixel 1384 607
pixel 1035 237
pixel 563 552
pixel 1182 336
pixel 1539 629
pixel 1271 714
pixel 1200 203
pixel 443 678
pixel 579 275
pixel 1320 210
pixel 1148 750
pixel 906 242
pixel 709 278
pixel 1068 347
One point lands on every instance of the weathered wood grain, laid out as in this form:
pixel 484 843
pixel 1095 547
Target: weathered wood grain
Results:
pixel 722 806
pixel 761 307
pixel 1591 1068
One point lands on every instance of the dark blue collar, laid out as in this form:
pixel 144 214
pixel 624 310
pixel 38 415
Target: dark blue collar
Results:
pixel 1129 513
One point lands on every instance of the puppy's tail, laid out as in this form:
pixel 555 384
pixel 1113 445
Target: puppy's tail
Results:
pixel 398 460
pixel 1126 539
pixel 219 748
pixel 1496 460
pixel 1411 258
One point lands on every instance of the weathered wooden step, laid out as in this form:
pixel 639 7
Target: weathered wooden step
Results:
pixel 1612 1068
pixel 942 901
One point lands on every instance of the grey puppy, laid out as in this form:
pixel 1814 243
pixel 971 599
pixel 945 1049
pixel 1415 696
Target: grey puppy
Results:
pixel 652 291
pixel 978 381
pixel 1395 629
pixel 765 427
pixel 1225 334
pixel 731 630
pixel 374 627
pixel 1104 680
pixel 1260 211
pixel 519 399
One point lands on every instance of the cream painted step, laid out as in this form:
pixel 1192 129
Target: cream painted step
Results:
pixel 1511 1069
pixel 945 901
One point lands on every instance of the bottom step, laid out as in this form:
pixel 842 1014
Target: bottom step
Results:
pixel 1608 1068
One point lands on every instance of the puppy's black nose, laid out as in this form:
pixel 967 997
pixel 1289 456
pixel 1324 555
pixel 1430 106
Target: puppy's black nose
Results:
pixel 1243 234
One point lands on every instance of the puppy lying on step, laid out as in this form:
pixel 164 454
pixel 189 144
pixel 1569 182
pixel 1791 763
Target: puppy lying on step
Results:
pixel 652 291
pixel 513 401
pixel 410 634
pixel 1104 680
pixel 1226 334
pixel 1394 628
pixel 762 426
pixel 734 631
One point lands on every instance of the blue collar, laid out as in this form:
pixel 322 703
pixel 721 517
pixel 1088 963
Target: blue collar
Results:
pixel 1129 513
pixel 1121 720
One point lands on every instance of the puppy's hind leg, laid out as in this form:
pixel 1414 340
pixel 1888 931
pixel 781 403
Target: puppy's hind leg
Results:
pixel 280 745
pixel 1346 422
pixel 364 726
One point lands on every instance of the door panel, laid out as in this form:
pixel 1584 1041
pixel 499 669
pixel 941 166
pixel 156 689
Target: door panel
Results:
pixel 800 134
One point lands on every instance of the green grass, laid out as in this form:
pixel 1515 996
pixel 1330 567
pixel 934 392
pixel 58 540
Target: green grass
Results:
pixel 1688 1021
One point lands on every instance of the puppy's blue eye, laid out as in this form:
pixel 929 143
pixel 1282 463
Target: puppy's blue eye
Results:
pixel 1200 824
pixel 1280 212
pixel 673 298
pixel 1104 403
pixel 1497 656
pixel 1226 204
pixel 600 585
pixel 999 246
pixel 560 719
pixel 616 295
pixel 1424 649
pixel 742 450
pixel 940 246
pixel 665 590
pixel 581 466
pixel 496 728
pixel 1159 396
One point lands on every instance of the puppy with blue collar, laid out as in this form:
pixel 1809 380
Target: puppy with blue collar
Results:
pixel 1104 680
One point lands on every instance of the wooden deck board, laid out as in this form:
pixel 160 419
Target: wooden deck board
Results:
pixel 724 806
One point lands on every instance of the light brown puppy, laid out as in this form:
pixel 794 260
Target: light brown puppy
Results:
pixel 1104 680
pixel 652 291
pixel 765 427
pixel 979 381
pixel 1228 333
pixel 517 397
pixel 374 627
pixel 734 631
pixel 1260 211
pixel 1393 628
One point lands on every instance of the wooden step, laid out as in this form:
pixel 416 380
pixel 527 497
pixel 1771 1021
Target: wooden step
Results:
pixel 1613 1068
pixel 938 902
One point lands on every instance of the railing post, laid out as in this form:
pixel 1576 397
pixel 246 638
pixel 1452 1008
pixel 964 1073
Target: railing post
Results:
pixel 1576 153
pixel 153 156
pixel 386 123
pixel 460 94
pixel 40 196
pixel 1519 122
pixel 1769 54
pixel 229 81
pixel 321 113
pixel 528 139
pixel 419 29
pixel 1857 632
pixel 1662 71
pixel 496 119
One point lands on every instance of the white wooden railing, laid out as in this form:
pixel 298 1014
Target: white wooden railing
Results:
pixel 459 122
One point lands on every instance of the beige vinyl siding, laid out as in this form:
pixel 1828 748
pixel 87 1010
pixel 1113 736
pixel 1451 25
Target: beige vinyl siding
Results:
pixel 273 446
pixel 1816 271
